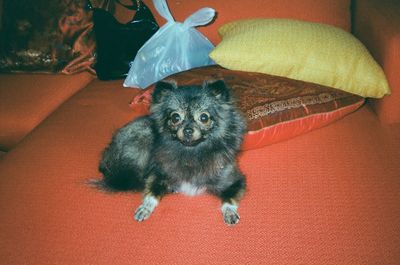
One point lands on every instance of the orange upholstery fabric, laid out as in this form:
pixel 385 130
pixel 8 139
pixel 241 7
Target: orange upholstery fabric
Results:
pixel 26 99
pixel 325 11
pixel 327 197
pixel 377 25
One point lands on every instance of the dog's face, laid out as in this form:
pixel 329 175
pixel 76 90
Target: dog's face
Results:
pixel 190 126
pixel 190 114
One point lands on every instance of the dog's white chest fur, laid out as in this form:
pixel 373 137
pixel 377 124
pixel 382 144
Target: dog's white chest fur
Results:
pixel 190 189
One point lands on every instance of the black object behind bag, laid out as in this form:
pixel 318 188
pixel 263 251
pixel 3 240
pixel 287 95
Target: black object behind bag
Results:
pixel 117 43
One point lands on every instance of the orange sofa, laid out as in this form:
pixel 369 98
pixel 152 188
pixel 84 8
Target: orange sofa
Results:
pixel 330 196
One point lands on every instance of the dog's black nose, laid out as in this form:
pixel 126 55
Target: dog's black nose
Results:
pixel 188 132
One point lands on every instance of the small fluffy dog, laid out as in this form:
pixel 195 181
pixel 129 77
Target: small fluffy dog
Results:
pixel 187 144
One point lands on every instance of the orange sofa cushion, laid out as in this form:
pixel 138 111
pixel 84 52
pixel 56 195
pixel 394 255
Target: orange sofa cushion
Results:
pixel 26 99
pixel 326 197
pixel 377 25
pixel 335 13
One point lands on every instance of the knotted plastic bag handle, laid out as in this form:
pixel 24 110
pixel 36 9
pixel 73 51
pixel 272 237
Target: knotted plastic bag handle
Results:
pixel 201 17
pixel 162 8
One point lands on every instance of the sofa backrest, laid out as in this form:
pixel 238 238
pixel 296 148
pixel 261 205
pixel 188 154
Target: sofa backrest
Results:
pixel 333 12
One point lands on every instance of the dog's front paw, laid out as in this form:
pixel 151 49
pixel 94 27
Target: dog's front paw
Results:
pixel 230 214
pixel 144 211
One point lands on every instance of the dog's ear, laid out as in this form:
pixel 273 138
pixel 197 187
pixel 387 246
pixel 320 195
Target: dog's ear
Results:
pixel 162 89
pixel 217 89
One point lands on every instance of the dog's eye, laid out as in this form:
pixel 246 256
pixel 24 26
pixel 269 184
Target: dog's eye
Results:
pixel 204 118
pixel 175 118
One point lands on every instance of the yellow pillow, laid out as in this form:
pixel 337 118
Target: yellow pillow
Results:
pixel 306 51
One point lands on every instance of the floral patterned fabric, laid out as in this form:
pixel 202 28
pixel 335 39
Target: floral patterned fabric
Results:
pixel 47 36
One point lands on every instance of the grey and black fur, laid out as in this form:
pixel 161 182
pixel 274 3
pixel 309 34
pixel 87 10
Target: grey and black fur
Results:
pixel 188 143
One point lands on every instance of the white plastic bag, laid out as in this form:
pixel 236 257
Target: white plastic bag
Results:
pixel 175 47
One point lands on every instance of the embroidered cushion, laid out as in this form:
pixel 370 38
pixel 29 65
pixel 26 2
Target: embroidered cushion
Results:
pixel 276 108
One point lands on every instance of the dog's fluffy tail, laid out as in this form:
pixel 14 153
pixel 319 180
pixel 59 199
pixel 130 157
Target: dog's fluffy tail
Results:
pixel 123 179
